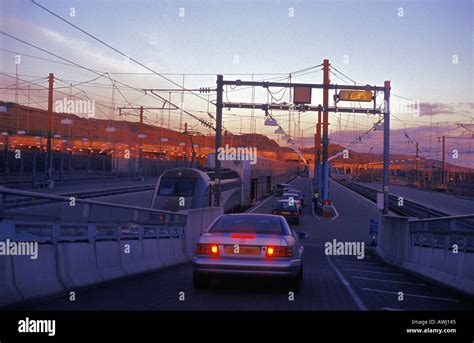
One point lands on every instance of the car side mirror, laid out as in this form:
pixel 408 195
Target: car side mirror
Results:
pixel 302 234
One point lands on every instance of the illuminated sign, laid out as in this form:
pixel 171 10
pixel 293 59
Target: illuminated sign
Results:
pixel 355 96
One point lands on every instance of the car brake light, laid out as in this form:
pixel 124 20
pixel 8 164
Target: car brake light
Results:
pixel 280 251
pixel 207 249
pixel 242 236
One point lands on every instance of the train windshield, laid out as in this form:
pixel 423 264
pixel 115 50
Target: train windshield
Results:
pixel 177 186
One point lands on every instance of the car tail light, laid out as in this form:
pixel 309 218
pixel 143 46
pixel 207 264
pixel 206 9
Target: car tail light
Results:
pixel 207 249
pixel 279 251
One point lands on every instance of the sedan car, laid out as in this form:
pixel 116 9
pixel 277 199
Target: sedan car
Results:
pixel 297 191
pixel 293 198
pixel 290 211
pixel 280 188
pixel 249 244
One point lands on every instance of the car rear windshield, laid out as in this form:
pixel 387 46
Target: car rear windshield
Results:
pixel 249 224
pixel 290 196
pixel 285 205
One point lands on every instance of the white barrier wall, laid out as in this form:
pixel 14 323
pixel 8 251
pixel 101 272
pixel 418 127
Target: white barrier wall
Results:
pixel 67 266
pixel 452 269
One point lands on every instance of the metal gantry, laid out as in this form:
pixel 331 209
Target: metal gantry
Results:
pixel 325 86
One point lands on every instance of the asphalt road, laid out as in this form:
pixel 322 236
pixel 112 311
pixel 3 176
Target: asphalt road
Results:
pixel 330 282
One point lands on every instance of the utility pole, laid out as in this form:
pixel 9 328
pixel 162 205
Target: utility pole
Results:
pixel 443 162
pixel 49 169
pixel 325 170
pixel 386 147
pixel 140 143
pixel 217 162
pixel 317 157
pixel 416 163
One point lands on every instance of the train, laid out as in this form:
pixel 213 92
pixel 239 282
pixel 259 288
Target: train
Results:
pixel 241 184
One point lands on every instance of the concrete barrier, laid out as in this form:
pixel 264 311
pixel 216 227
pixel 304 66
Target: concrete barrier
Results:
pixel 165 251
pixel 68 265
pixel 439 264
pixel 198 221
pixel 8 291
pixel 131 255
pixel 151 258
pixel 77 265
pixel 37 278
pixel 109 263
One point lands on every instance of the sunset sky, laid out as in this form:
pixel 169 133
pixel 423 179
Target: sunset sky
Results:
pixel 425 48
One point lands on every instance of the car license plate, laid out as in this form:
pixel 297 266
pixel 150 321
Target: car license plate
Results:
pixel 242 250
pixel 284 212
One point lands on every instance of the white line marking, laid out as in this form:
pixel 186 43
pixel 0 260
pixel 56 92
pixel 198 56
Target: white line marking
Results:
pixel 411 295
pixel 261 203
pixel 390 281
pixel 362 261
pixel 346 283
pixel 371 271
pixel 335 210
pixel 391 309
pixel 358 265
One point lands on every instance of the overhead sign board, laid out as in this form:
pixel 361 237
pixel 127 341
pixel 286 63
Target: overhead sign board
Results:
pixel 301 95
pixel 346 95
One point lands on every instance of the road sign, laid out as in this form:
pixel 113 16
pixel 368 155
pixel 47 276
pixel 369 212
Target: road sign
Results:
pixel 301 95
pixel 374 226
pixel 346 95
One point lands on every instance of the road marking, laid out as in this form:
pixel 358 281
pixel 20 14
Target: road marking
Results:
pixel 366 267
pixel 346 283
pixel 411 295
pixel 371 271
pixel 391 309
pixel 260 204
pixel 363 262
pixel 390 281
pixel 335 210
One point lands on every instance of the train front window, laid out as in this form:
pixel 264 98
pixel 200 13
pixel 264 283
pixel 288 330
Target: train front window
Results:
pixel 177 186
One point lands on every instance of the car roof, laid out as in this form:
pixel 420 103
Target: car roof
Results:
pixel 290 194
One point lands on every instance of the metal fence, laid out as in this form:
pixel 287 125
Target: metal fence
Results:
pixel 28 169
pixel 444 232
pixel 86 220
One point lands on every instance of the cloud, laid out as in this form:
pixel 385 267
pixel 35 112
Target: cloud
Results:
pixel 436 108
pixel 83 52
